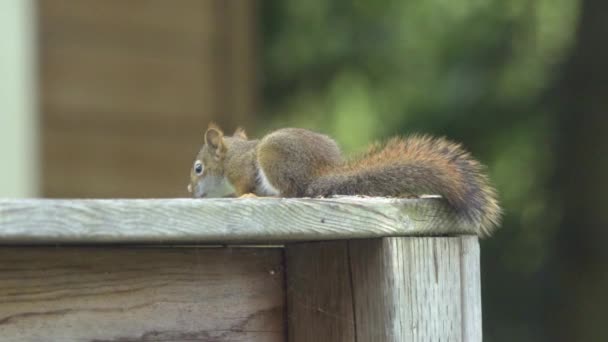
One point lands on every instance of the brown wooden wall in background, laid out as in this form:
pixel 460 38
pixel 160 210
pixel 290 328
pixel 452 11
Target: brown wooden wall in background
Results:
pixel 127 88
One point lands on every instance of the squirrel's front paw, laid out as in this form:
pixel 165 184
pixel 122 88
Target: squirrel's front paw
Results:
pixel 249 195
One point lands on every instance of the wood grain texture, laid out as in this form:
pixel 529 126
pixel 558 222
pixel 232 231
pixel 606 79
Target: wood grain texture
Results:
pixel 141 294
pixel 407 289
pixel 190 221
pixel 319 306
pixel 127 89
pixel 401 289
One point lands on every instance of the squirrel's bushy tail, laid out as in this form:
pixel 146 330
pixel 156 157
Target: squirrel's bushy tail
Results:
pixel 414 166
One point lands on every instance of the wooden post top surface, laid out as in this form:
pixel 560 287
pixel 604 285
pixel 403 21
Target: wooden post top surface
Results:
pixel 222 221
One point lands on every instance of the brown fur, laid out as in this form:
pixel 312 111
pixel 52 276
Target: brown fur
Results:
pixel 299 163
pixel 417 165
pixel 232 157
pixel 292 158
pixel 240 164
pixel 240 133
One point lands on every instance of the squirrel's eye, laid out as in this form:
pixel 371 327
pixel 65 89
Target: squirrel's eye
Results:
pixel 198 168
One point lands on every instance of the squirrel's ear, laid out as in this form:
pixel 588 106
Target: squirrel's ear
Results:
pixel 214 138
pixel 240 133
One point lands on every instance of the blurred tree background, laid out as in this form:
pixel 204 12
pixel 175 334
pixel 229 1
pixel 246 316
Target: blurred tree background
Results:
pixel 506 78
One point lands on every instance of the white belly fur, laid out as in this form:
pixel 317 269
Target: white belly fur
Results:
pixel 265 188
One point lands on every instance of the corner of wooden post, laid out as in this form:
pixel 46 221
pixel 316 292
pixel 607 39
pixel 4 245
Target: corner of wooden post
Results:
pixel 386 289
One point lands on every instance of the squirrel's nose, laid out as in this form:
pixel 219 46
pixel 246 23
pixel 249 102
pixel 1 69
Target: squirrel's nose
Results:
pixel 190 188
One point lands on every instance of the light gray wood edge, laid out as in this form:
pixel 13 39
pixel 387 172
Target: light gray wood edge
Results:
pixel 401 289
pixel 191 221
pixel 416 289
pixel 470 273
pixel 78 294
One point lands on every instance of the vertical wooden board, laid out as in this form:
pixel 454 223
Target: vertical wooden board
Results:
pixel 149 62
pixel 471 289
pixel 242 44
pixel 141 294
pixel 319 299
pixel 372 277
pixel 132 73
pixel 407 289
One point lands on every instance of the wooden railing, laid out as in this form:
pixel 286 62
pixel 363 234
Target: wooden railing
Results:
pixel 344 269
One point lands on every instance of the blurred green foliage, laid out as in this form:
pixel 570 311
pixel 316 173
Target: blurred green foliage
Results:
pixel 475 71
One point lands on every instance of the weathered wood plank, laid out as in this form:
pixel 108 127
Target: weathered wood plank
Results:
pixel 401 289
pixel 319 306
pixel 141 294
pixel 407 289
pixel 470 274
pixel 267 220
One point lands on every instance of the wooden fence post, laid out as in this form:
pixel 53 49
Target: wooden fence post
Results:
pixel 388 289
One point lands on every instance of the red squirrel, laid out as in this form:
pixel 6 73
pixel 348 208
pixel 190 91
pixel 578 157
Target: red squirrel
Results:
pixel 294 162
